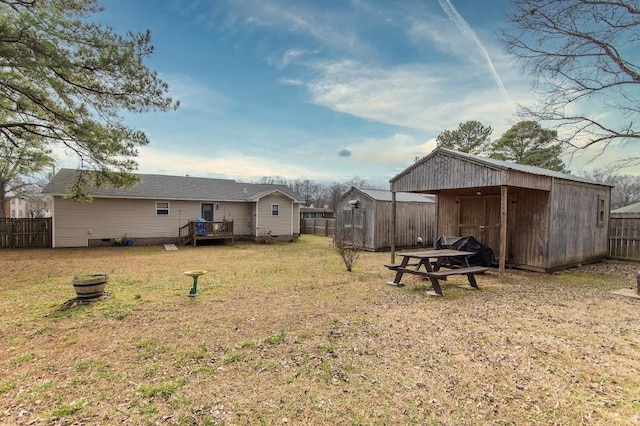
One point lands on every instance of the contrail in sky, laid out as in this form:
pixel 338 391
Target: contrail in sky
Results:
pixel 453 14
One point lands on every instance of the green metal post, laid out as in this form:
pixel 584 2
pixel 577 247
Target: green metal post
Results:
pixel 194 289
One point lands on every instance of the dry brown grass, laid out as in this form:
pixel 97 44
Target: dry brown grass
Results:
pixel 282 333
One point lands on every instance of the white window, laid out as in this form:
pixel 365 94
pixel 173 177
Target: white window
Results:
pixel 275 209
pixel 162 207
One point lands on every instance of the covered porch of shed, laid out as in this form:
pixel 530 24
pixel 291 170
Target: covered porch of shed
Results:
pixel 487 213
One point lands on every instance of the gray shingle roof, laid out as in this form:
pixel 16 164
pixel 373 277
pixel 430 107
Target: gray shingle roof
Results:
pixel 166 187
pixel 385 195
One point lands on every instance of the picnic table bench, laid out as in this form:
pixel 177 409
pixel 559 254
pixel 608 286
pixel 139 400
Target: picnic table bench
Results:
pixel 433 261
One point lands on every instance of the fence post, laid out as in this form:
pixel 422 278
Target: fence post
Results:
pixel 10 237
pixel 638 283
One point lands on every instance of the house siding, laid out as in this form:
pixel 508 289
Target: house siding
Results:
pixel 75 223
pixel 239 213
pixel 281 225
pixel 107 218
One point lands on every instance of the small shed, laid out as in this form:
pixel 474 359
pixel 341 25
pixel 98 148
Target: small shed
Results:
pixel 532 218
pixel 365 215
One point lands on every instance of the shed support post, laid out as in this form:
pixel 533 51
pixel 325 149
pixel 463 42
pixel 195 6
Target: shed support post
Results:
pixel 503 230
pixel 393 227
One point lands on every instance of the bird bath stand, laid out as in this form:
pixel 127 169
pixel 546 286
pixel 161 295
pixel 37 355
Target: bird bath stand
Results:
pixel 195 275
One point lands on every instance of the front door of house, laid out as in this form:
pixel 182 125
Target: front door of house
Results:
pixel 207 211
pixel 480 218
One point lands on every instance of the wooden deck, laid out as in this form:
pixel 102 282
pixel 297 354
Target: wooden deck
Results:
pixel 193 232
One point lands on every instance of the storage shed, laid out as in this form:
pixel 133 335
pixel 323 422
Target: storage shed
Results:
pixel 365 215
pixel 532 218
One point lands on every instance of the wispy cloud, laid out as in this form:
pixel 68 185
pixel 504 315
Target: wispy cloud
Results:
pixel 291 55
pixel 431 97
pixel 194 95
pixel 453 14
pixel 300 18
pixel 236 166
pixel 399 148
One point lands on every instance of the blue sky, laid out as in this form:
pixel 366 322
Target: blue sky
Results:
pixel 322 90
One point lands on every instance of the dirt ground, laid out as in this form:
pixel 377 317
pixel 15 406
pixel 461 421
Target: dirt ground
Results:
pixel 283 334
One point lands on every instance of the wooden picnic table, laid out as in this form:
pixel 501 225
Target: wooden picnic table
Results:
pixel 433 261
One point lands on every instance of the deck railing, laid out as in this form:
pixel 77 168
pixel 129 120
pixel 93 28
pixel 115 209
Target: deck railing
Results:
pixel 204 230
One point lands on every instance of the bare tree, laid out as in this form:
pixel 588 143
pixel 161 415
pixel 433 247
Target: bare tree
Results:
pixel 332 192
pixel 626 188
pixel 582 53
pixel 272 180
pixel 308 190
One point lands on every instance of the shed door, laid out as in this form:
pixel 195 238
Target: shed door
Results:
pixel 480 218
pixel 354 226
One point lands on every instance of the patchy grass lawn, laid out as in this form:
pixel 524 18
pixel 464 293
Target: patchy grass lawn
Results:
pixel 282 334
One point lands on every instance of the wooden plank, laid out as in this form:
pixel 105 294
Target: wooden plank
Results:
pixel 25 232
pixel 503 230
pixel 458 271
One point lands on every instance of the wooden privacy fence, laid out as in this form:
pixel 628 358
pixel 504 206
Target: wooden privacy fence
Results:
pixel 318 226
pixel 624 238
pixel 25 233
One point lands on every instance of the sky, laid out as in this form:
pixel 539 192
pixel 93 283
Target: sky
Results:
pixel 323 90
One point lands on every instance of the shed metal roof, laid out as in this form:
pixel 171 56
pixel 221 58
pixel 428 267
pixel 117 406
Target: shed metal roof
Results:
pixel 165 187
pixel 631 208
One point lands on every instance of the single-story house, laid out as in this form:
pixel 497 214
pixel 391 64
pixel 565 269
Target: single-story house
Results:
pixel 365 215
pixel 163 209
pixel 532 218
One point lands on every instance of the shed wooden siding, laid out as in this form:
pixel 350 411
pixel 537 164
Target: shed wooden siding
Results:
pixel 528 227
pixel 534 240
pixel 281 225
pixel 413 220
pixel 107 218
pixel 450 220
pixel 574 234
pixel 366 204
pixel 520 179
pixel 552 218
pixel 446 172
